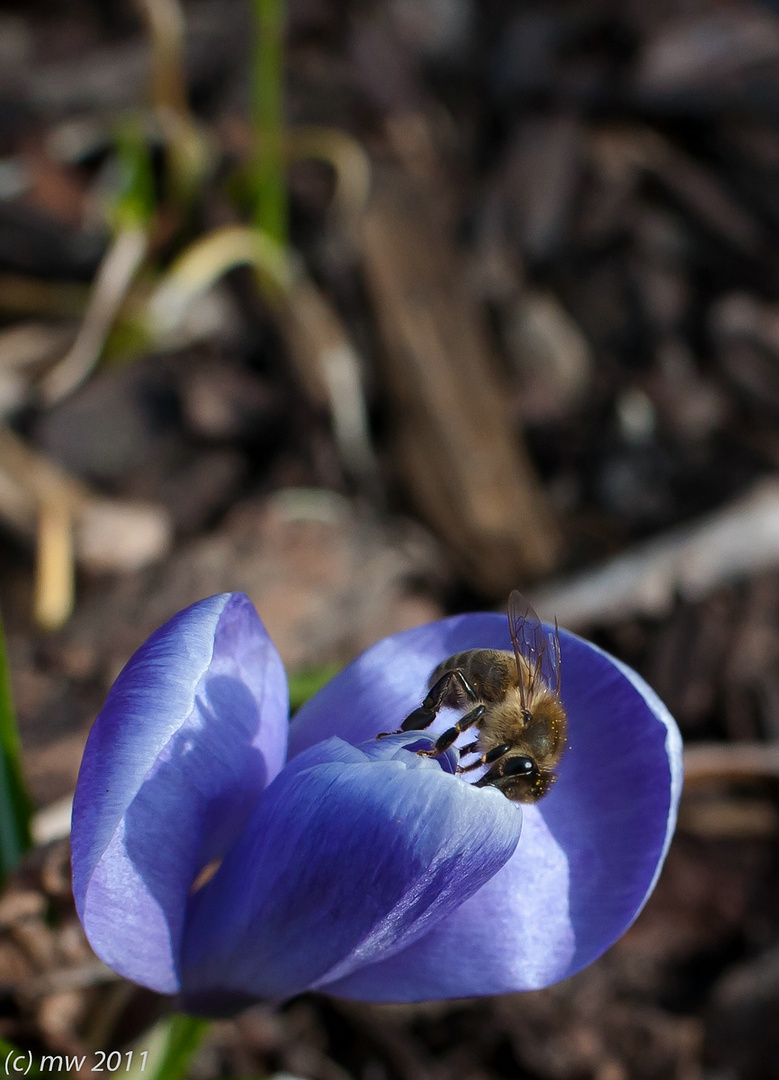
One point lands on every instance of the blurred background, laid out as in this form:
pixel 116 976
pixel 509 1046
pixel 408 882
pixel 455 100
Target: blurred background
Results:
pixel 376 311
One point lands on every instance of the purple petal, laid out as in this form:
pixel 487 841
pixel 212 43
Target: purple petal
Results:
pixel 590 851
pixel 353 853
pixel 192 731
pixel 382 686
pixel 515 933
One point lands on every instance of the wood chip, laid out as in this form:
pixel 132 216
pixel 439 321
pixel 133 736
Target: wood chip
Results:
pixel 462 460
pixel 703 50
pixel 729 818
pixel 688 181
pixel 540 181
pixel 20 904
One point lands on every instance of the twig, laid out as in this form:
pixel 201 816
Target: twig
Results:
pixel 707 763
pixel 693 561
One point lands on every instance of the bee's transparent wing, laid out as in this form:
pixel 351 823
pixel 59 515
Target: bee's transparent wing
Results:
pixel 541 650
pixel 550 668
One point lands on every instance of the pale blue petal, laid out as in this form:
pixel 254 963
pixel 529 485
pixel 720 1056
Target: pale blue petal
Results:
pixel 192 731
pixel 349 858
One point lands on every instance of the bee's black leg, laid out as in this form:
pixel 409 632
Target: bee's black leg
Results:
pixel 437 694
pixel 443 742
pixel 488 758
pixel 471 748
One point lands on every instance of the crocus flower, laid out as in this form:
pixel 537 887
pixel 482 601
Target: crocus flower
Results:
pixel 224 855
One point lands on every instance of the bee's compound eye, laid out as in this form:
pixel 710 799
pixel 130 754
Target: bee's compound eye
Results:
pixel 519 766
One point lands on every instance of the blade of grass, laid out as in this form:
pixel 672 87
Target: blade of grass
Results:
pixel 202 264
pixel 15 803
pixel 131 214
pixel 165 21
pixel 270 193
pixel 187 153
pixel 170 1048
pixel 185 1033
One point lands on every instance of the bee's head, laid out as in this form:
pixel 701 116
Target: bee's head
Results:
pixel 519 778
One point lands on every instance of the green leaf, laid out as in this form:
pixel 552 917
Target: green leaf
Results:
pixel 304 684
pixel 15 803
pixel 169 1049
pixel 135 201
pixel 10 1053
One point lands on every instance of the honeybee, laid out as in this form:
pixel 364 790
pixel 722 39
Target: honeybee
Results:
pixel 513 699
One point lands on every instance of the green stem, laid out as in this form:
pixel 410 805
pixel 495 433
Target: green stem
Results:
pixel 270 193
pixel 15 804
pixel 171 1045
pixel 185 1033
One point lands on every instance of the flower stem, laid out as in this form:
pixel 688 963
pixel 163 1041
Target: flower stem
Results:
pixel 172 1045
